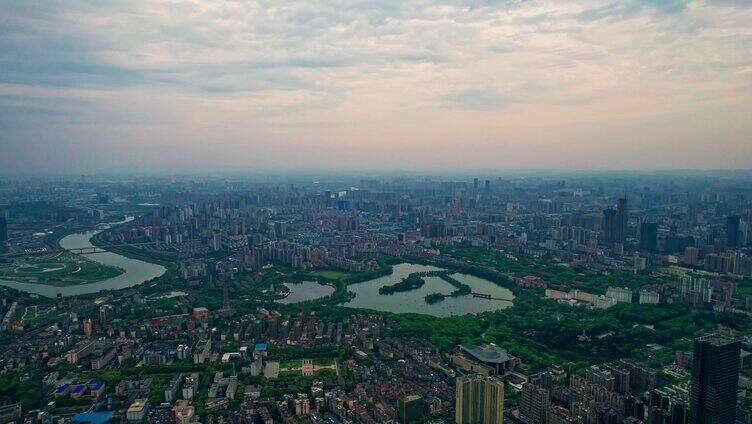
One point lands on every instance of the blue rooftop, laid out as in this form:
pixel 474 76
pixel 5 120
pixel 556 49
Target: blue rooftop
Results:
pixel 95 385
pixel 261 346
pixel 62 388
pixel 93 417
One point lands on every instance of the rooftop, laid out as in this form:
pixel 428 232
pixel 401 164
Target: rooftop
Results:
pixel 717 340
pixel 137 405
pixel 93 417
pixel 62 388
pixel 411 398
pixel 487 353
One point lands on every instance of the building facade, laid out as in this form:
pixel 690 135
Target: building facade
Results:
pixel 715 379
pixel 479 400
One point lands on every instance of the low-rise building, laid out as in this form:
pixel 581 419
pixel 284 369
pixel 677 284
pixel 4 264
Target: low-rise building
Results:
pixel 137 411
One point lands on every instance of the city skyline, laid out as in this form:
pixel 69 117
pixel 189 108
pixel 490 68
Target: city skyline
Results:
pixel 354 212
pixel 551 298
pixel 178 87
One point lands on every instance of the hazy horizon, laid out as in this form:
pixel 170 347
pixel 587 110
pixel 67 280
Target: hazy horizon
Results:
pixel 366 174
pixel 164 87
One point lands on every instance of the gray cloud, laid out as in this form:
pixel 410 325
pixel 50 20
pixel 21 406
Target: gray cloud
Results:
pixel 259 76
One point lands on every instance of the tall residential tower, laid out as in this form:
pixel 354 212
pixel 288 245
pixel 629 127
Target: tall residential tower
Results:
pixel 479 400
pixel 715 380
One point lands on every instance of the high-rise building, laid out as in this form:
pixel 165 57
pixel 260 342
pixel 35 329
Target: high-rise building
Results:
pixel 733 224
pixel 615 223
pixel 695 290
pixel 534 404
pixel 226 310
pixel 216 240
pixel 691 255
pixel 106 313
pixel 621 374
pixel 542 379
pixel 622 218
pixel 280 229
pixel 649 236
pixel 410 408
pixel 88 327
pixel 641 377
pixel 479 400
pixel 715 380
pixel 609 226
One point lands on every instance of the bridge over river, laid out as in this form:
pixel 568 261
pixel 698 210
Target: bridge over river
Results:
pixel 97 249
pixel 136 271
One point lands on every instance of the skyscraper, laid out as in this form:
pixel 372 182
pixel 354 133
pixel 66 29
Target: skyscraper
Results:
pixel 622 218
pixel 649 236
pixel 479 400
pixel 609 226
pixel 715 379
pixel 732 231
pixel 614 224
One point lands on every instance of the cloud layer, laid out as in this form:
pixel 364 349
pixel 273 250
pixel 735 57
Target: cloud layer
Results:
pixel 207 85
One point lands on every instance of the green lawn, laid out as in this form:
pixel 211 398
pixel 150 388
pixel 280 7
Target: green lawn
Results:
pixel 65 270
pixel 323 362
pixel 331 274
pixel 290 364
pixel 35 269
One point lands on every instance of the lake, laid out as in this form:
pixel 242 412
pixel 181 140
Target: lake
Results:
pixel 306 290
pixel 367 294
pixel 136 271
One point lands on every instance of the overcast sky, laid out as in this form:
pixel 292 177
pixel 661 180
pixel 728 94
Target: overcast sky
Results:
pixel 176 86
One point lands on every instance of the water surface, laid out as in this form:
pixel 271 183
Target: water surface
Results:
pixel 136 271
pixel 367 294
pixel 306 290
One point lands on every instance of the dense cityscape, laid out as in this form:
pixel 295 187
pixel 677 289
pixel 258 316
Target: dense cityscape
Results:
pixel 376 212
pixel 518 297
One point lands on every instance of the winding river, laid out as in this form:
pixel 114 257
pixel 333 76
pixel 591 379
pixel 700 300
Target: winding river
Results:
pixel 136 271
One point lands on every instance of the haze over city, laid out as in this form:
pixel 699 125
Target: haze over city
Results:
pixel 171 86
pixel 384 212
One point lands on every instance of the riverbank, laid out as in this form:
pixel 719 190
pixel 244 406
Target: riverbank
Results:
pixel 135 271
pixel 63 269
